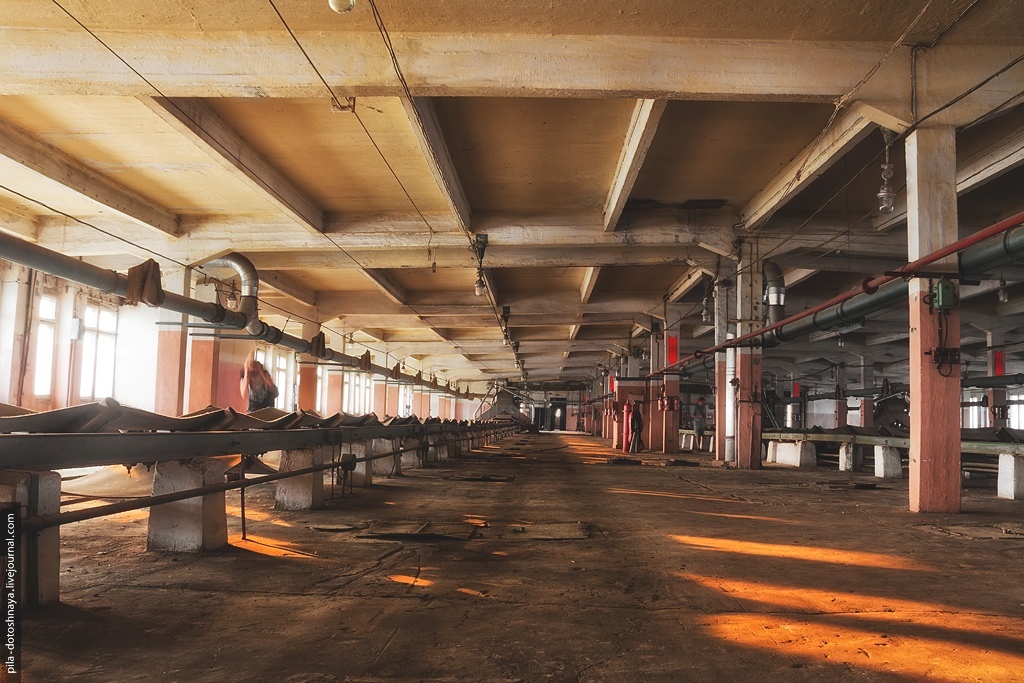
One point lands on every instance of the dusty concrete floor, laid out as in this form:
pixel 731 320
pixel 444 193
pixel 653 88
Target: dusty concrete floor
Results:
pixel 690 573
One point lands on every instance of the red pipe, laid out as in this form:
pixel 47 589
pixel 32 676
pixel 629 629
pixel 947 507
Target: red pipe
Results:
pixel 868 286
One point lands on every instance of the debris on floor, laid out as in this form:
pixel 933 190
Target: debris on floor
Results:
pixel 551 531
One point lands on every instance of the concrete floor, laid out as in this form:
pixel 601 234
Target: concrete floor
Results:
pixel 690 573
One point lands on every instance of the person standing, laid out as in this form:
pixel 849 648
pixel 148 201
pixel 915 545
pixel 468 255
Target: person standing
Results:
pixel 699 417
pixel 636 428
pixel 256 384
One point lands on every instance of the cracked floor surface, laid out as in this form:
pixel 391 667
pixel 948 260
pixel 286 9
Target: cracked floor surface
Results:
pixel 689 574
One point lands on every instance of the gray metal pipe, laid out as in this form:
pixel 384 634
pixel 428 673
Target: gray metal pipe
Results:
pixel 32 255
pixel 993 382
pixel 246 316
pixel 999 251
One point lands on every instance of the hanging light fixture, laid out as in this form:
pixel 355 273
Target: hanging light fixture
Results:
pixel 341 6
pixel 705 314
pixel 886 195
pixel 1003 295
pixel 479 287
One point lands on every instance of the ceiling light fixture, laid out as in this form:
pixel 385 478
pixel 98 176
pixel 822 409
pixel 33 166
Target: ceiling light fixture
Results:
pixel 705 315
pixel 342 6
pixel 479 287
pixel 886 195
pixel 1003 295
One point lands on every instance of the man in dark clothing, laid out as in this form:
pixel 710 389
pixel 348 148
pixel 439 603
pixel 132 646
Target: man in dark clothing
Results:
pixel 636 428
pixel 699 416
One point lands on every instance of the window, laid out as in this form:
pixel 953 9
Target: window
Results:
pixel 281 379
pixel 321 389
pixel 99 338
pixel 357 396
pixel 45 346
pixel 404 400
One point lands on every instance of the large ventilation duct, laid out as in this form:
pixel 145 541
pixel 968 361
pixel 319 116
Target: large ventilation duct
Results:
pixel 775 291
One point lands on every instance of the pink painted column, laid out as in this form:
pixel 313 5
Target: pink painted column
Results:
pixel 934 389
pixel 748 362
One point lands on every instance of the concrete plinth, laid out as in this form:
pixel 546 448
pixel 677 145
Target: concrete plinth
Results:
pixel 36 493
pixel 887 463
pixel 195 524
pixel 1011 477
pixel 362 475
pixel 796 454
pixel 306 491
pixel 390 466
pixel 849 457
pixel 411 459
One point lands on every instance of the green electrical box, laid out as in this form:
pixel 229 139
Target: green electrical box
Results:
pixel 944 296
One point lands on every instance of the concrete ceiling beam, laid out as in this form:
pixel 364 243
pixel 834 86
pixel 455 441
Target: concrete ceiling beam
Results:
pixel 838 139
pixel 589 282
pixel 684 284
pixel 289 287
pixel 212 236
pixel 427 129
pixel 231 64
pixel 42 160
pixel 18 225
pixel 643 124
pixel 201 125
pixel 391 289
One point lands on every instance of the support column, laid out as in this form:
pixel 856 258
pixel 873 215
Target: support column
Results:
pixel 867 404
pixel 35 493
pixel 670 423
pixel 617 413
pixel 934 389
pixel 748 361
pixel 656 433
pixel 204 362
pixel 307 371
pixel 172 348
pixel 306 491
pixel 841 405
pixel 194 524
pixel 725 302
pixel 997 408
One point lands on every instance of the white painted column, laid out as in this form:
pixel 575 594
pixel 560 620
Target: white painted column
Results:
pixel 36 493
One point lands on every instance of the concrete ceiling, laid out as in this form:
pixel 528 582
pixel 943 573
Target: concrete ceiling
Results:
pixel 612 153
